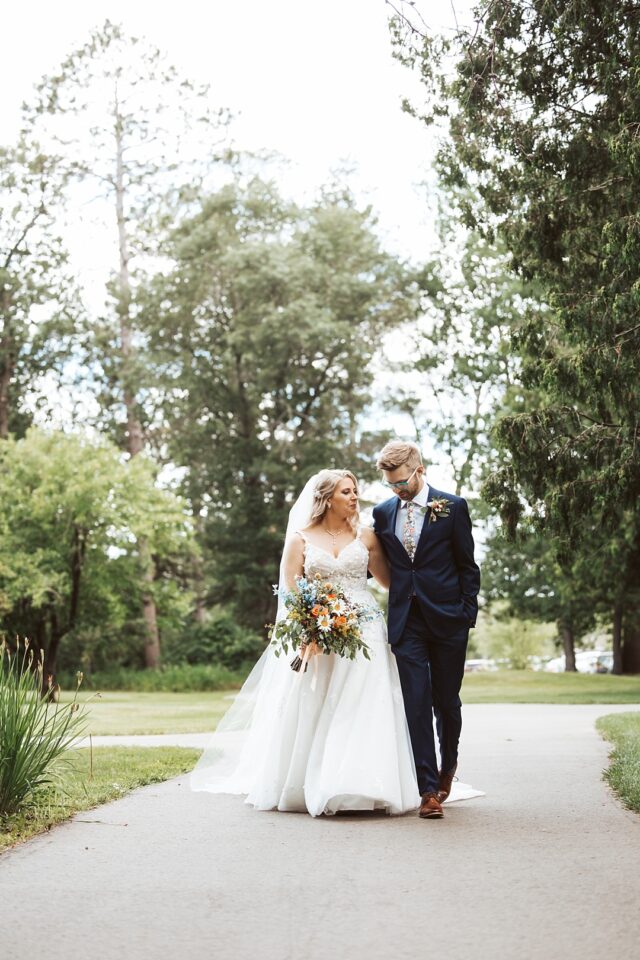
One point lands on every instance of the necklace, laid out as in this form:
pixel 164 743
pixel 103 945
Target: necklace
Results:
pixel 334 536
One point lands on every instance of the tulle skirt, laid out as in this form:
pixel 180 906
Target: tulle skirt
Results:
pixel 332 739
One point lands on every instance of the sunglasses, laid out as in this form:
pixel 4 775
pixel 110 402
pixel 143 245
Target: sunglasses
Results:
pixel 400 483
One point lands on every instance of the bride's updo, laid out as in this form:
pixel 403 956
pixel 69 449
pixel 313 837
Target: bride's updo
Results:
pixel 325 485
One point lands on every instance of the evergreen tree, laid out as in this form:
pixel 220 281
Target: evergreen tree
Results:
pixel 542 106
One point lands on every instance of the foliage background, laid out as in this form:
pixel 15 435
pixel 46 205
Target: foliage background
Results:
pixel 245 340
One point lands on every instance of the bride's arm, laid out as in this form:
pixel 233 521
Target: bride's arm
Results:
pixel 292 567
pixel 293 561
pixel 378 563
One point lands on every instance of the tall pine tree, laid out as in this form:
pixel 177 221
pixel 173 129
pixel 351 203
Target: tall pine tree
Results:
pixel 542 105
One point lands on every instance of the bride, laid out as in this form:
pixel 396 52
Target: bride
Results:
pixel 334 738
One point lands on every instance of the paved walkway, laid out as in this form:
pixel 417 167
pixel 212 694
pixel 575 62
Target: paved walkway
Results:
pixel 545 867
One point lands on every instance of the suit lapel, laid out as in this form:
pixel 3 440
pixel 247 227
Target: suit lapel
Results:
pixel 391 510
pixel 394 506
pixel 426 526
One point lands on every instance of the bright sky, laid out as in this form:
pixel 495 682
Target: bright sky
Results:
pixel 314 81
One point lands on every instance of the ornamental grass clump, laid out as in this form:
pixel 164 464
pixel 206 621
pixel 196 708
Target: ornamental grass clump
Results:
pixel 34 730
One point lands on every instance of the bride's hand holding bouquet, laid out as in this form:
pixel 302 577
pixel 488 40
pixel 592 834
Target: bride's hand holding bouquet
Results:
pixel 319 619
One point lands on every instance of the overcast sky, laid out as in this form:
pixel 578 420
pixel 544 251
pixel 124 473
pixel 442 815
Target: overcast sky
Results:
pixel 314 81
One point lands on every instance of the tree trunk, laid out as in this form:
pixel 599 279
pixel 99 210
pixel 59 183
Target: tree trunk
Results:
pixel 38 641
pixel 463 475
pixel 566 632
pixel 200 612
pixel 135 435
pixel 50 688
pixel 5 380
pixel 199 586
pixel 631 642
pixel 617 638
pixel 7 363
pixel 152 635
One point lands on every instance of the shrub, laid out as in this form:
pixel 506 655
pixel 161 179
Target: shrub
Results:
pixel 220 641
pixel 34 731
pixel 97 648
pixel 179 678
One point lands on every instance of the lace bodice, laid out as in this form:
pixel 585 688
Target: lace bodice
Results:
pixel 349 568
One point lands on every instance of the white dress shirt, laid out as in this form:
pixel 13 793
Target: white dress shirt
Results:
pixel 421 499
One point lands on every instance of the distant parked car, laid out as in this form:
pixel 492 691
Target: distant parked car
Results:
pixel 480 666
pixel 537 663
pixel 587 661
pixel 604 663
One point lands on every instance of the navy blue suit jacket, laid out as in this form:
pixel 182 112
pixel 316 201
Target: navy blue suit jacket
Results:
pixel 442 575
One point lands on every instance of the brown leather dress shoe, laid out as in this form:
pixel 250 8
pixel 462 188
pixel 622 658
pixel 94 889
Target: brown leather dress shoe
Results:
pixel 446 780
pixel 430 808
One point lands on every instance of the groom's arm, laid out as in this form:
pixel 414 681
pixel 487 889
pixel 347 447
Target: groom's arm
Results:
pixel 375 530
pixel 468 569
pixel 378 563
pixel 376 520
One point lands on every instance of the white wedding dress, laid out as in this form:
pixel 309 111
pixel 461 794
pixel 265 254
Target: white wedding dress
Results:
pixel 332 739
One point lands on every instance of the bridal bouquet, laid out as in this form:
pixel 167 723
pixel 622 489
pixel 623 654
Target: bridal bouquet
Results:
pixel 321 619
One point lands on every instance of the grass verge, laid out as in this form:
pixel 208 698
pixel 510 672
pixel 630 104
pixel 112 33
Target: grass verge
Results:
pixel 178 678
pixel 116 713
pixel 623 773
pixel 529 686
pixel 116 771
pixel 504 686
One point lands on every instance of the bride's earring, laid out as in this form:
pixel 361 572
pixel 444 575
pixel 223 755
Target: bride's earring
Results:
pixel 329 505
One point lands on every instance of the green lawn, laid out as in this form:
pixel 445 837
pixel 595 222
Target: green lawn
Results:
pixel 119 712
pixel 623 773
pixel 528 686
pixel 114 771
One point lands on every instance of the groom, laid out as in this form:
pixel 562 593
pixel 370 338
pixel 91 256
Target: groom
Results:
pixel 426 535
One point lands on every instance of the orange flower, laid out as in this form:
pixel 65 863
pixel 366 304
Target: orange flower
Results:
pixel 331 596
pixel 315 611
pixel 340 621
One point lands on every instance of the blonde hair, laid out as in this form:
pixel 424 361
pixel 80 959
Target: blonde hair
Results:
pixel 399 453
pixel 325 485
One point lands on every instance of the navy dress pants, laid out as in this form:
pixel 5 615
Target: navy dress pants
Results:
pixel 431 671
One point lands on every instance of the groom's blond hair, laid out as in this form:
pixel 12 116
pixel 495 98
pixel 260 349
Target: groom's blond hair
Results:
pixel 399 453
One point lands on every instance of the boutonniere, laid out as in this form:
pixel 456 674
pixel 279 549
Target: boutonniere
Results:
pixel 438 508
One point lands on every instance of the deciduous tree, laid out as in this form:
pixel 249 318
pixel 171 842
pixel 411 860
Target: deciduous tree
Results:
pixel 261 339
pixel 39 303
pixel 128 125
pixel 72 516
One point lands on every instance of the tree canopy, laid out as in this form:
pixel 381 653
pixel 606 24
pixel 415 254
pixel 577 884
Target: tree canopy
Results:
pixel 261 339
pixel 541 108
pixel 72 514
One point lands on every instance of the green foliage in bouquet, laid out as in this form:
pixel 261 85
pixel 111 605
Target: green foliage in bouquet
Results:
pixel 319 612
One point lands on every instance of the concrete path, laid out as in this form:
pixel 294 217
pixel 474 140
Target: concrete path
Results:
pixel 545 867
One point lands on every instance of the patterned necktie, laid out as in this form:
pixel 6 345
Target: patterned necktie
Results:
pixel 409 531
